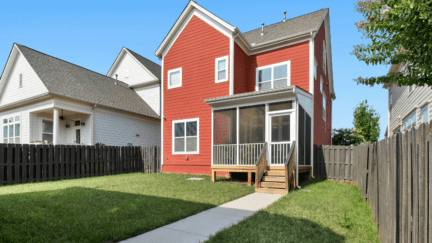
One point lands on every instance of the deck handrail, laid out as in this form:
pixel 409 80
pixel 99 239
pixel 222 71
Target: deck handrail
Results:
pixel 289 168
pixel 261 165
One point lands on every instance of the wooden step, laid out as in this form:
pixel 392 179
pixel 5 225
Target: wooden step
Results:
pixel 271 190
pixel 272 185
pixel 274 178
pixel 275 173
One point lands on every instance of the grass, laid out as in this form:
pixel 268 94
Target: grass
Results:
pixel 321 211
pixel 105 209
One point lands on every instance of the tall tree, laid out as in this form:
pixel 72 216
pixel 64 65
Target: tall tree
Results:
pixel 400 31
pixel 366 124
pixel 342 136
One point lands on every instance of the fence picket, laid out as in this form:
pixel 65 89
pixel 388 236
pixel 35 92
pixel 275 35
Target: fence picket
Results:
pixel 17 162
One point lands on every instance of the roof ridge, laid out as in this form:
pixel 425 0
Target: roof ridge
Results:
pixel 286 20
pixel 68 62
pixel 142 56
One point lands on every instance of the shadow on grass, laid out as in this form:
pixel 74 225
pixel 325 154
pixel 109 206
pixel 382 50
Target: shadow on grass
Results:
pixel 269 227
pixel 79 214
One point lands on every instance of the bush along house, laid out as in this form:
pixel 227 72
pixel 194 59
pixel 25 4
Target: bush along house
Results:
pixel 252 102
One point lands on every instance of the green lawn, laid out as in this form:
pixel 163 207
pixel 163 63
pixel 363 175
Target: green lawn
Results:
pixel 321 211
pixel 104 209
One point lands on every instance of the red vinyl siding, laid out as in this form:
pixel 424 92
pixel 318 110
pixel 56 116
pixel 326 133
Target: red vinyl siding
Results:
pixel 297 54
pixel 195 50
pixel 322 128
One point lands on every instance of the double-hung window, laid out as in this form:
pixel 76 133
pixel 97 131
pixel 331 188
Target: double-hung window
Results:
pixel 324 106
pixel 221 69
pixel 324 57
pixel 425 114
pixel 186 136
pixel 175 78
pixel 273 76
pixel 410 120
pixel 315 68
pixel 47 131
pixel 11 130
pixel 321 84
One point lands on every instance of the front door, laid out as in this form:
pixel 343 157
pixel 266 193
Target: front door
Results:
pixel 282 133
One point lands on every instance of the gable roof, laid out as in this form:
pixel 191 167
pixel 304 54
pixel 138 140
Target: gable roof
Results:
pixel 154 68
pixel 291 27
pixel 71 81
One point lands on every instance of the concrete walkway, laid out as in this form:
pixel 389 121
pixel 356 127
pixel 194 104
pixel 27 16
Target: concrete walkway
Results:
pixel 199 227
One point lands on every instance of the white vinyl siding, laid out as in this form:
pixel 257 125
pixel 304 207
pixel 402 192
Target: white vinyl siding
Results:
pixel 273 76
pixel 221 69
pixel 151 95
pixel 10 85
pixel 185 137
pixel 121 129
pixel 175 78
pixel 130 71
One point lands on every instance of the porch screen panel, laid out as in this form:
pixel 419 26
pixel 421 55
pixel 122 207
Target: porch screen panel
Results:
pixel 47 131
pixel 225 127
pixel 301 136
pixel 252 124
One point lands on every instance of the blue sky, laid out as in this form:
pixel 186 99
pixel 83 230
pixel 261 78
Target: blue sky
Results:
pixel 92 33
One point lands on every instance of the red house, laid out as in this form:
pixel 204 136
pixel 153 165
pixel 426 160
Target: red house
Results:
pixel 237 101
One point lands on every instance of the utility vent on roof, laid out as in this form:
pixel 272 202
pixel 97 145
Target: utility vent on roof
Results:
pixel 262 29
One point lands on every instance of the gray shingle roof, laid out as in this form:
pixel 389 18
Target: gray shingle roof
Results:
pixel 292 27
pixel 71 81
pixel 151 66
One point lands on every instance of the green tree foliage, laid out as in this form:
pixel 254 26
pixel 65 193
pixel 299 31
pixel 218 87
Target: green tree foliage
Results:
pixel 342 136
pixel 399 31
pixel 366 124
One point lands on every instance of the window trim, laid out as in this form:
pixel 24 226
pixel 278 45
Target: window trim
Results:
pixel 42 132
pixel 226 69
pixel 181 78
pixel 173 136
pixel 288 63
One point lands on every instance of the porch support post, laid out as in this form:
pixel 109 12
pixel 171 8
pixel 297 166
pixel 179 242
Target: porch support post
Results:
pixel 238 135
pixel 250 178
pixel 56 129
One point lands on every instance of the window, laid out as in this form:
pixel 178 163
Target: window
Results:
pixel 11 130
pixel 391 99
pixel 321 84
pixel 47 131
pixel 315 68
pixel 324 57
pixel 20 80
pixel 425 114
pixel 78 123
pixel 186 136
pixel 175 78
pixel 285 105
pixel 324 106
pixel 410 120
pixel 221 69
pixel 273 76
pixel 126 72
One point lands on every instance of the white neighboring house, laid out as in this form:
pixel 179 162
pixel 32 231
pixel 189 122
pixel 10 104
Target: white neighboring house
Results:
pixel 47 100
pixel 141 74
pixel 408 106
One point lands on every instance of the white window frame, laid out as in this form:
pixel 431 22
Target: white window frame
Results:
pixel 324 58
pixel 288 63
pixel 321 84
pixel 169 77
pixel 185 136
pixel 42 132
pixel 226 69
pixel 13 123
pixel 324 106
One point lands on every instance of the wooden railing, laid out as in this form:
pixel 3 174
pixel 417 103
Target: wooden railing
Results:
pixel 225 154
pixel 290 168
pixel 261 165
pixel 249 153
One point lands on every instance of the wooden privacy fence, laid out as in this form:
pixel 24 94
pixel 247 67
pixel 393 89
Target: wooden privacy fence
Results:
pixel 394 175
pixel 35 163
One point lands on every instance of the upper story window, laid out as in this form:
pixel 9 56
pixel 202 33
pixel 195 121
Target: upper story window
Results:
pixel 324 57
pixel 315 68
pixel 11 129
pixel 273 76
pixel 321 84
pixel 391 99
pixel 324 106
pixel 425 114
pixel 221 69
pixel 175 78
pixel 20 80
pixel 186 136
pixel 410 120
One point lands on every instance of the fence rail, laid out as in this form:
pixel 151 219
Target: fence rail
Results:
pixel 394 175
pixel 22 163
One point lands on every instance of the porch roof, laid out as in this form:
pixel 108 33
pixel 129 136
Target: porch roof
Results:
pixel 254 97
